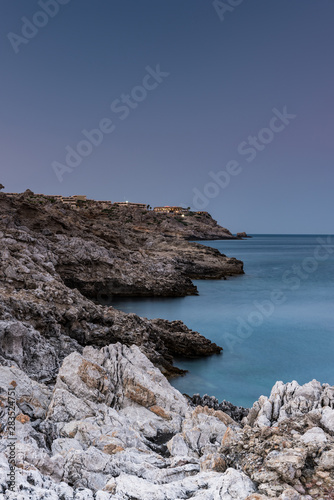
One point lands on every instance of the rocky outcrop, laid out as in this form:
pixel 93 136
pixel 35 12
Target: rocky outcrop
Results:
pixel 291 400
pixel 113 428
pixel 54 260
pixel 26 348
pixel 102 257
pixel 288 440
pixel 82 386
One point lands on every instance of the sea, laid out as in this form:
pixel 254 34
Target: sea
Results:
pixel 275 322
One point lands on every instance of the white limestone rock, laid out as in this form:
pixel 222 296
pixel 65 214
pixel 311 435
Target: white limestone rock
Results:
pixel 327 420
pixel 31 398
pixel 287 463
pixel 232 485
pixel 202 432
pixel 314 436
pixel 114 429
pixel 290 400
pixel 327 460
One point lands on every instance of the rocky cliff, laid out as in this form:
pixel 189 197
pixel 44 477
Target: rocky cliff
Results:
pixel 103 256
pixel 188 225
pixel 57 265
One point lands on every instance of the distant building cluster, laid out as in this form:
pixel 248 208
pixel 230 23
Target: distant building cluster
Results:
pixel 80 200
pixel 170 210
pixel 130 204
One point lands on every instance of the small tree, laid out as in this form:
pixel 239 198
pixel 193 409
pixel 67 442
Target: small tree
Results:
pixel 2 186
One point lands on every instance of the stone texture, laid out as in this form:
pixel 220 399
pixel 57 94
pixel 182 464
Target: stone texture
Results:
pixel 290 400
pixel 327 420
pixel 98 436
pixel 112 427
pixel 26 348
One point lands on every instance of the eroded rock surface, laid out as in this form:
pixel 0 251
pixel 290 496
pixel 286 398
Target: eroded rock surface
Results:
pixel 108 426
pixel 112 427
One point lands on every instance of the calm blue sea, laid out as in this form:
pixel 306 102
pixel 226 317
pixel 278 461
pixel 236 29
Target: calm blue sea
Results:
pixel 275 323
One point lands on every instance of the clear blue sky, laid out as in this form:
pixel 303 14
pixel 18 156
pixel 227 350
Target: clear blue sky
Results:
pixel 225 78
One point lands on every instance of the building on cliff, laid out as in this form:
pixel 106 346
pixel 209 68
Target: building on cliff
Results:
pixel 129 204
pixel 170 210
pixel 72 200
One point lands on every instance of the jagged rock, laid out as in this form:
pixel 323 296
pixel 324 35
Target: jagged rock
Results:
pixel 113 427
pixel 103 258
pixel 314 436
pixel 32 485
pixel 106 401
pixel 103 421
pixel 290 400
pixel 203 430
pixel 32 399
pixel 287 463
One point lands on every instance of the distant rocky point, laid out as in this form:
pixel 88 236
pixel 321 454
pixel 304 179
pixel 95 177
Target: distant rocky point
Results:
pixel 243 235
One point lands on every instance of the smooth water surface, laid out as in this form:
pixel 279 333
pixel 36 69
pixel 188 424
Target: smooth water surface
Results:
pixel 275 322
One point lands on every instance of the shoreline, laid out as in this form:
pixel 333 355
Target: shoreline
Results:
pixel 94 412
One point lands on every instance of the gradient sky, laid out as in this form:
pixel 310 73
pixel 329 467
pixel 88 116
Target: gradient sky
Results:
pixel 225 78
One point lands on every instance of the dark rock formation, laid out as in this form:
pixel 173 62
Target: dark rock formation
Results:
pixel 237 413
pixel 243 235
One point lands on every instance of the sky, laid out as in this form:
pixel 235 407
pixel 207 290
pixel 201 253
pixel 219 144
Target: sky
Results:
pixel 225 107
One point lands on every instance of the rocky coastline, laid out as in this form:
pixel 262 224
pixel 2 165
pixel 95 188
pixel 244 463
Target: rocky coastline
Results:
pixel 58 266
pixel 86 410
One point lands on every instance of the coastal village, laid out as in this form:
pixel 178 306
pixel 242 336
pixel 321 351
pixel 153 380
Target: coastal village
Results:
pixel 78 201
